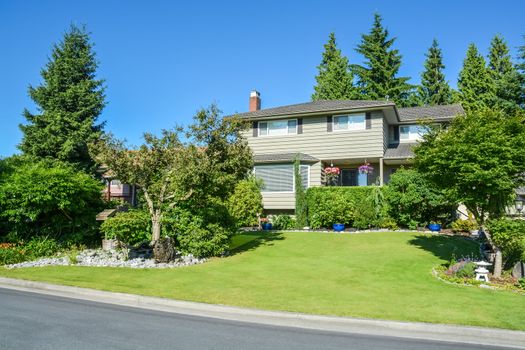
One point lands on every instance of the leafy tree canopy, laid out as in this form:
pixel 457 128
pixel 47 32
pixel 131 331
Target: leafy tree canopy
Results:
pixel 69 100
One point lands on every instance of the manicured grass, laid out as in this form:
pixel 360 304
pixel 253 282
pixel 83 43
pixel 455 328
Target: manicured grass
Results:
pixel 372 275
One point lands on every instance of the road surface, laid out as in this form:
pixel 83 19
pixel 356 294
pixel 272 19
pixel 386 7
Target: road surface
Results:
pixel 36 321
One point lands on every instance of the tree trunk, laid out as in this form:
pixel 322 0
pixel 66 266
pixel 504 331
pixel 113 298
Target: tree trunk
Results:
pixel 155 227
pixel 498 263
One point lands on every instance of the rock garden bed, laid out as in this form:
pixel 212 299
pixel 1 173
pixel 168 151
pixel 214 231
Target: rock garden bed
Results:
pixel 137 258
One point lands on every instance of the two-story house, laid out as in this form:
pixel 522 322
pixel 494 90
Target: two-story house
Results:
pixel 343 134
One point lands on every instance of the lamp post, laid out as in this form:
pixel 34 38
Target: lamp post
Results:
pixel 518 204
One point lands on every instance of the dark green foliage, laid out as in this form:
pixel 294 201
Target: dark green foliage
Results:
pixel 131 227
pixel 245 204
pixel 476 89
pixel 520 66
pixel 504 75
pixel 283 222
pixel 345 205
pixel 478 160
pixel 69 101
pixel 434 89
pixel 509 236
pixel 334 81
pixel 377 78
pixel 50 199
pixel 301 215
pixel 415 201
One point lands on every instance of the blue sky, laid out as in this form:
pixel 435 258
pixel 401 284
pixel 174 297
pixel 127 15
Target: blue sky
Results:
pixel 163 60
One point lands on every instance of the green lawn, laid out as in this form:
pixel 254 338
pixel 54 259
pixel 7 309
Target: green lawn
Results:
pixel 372 275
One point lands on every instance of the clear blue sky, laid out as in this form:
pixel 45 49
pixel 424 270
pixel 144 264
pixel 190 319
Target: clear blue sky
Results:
pixel 163 60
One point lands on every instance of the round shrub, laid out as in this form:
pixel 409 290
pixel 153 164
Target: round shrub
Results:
pixel 283 222
pixel 509 235
pixel 131 227
pixel 461 225
pixel 245 204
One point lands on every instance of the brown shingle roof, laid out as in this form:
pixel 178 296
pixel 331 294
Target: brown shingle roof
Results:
pixel 283 157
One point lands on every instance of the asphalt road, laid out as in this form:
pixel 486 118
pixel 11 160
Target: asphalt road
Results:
pixel 36 321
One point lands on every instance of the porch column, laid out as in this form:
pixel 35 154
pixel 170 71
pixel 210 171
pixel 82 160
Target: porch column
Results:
pixel 381 171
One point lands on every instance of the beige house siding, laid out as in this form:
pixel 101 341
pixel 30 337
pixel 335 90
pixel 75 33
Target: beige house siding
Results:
pixel 319 143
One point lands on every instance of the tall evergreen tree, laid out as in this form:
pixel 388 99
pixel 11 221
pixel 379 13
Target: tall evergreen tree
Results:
pixel 334 80
pixel 504 75
pixel 70 100
pixel 434 89
pixel 377 78
pixel 476 88
pixel 520 66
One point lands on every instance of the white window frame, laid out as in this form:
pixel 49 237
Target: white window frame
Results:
pixel 267 122
pixel 358 127
pixel 412 136
pixel 293 178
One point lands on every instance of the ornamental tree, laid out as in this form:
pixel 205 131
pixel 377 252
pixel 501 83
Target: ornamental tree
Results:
pixel 69 101
pixel 478 161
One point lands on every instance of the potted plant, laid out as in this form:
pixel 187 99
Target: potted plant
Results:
pixel 434 226
pixel 331 174
pixel 338 227
pixel 266 225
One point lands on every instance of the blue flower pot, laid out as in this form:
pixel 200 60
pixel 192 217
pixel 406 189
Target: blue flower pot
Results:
pixel 338 227
pixel 267 226
pixel 434 227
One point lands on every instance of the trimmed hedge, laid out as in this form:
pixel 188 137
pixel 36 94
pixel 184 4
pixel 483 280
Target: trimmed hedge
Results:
pixel 360 207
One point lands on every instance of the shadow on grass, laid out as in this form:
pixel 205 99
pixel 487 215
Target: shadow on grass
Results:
pixel 251 240
pixel 446 247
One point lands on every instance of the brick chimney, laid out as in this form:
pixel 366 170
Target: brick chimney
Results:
pixel 255 100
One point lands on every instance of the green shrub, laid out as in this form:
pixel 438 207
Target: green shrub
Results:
pixel 467 271
pixel 414 201
pixel 509 236
pixel 11 255
pixel 464 225
pixel 195 235
pixel 245 204
pixel 283 222
pixel 346 205
pixel 387 223
pixel 131 227
pixel 47 198
pixel 38 247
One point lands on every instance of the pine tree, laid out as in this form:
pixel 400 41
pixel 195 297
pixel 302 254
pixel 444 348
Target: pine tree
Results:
pixel 70 100
pixel 521 72
pixel 504 75
pixel 334 81
pixel 475 86
pixel 434 89
pixel 377 78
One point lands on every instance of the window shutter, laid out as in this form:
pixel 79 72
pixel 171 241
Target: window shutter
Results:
pixel 299 125
pixel 254 127
pixel 396 133
pixel 368 120
pixel 329 125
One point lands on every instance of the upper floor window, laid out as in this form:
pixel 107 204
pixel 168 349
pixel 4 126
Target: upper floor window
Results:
pixel 350 122
pixel 278 127
pixel 411 132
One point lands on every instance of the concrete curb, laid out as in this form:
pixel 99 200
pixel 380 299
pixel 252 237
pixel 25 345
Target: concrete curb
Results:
pixel 412 330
